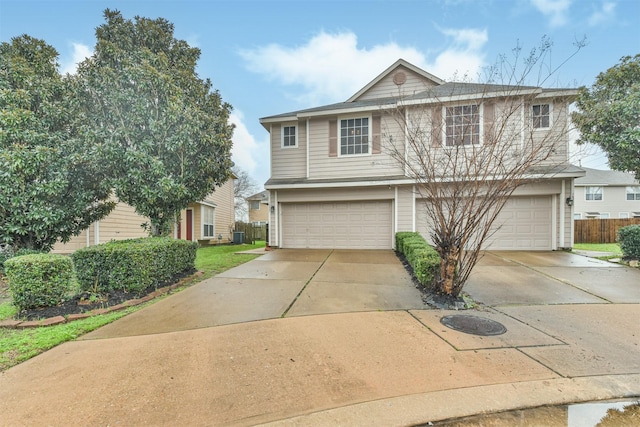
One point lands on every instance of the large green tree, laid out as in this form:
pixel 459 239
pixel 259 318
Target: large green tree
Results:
pixel 609 114
pixel 51 186
pixel 164 132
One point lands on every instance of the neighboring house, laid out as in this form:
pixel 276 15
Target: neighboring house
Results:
pixel 259 208
pixel 606 194
pixel 326 194
pixel 208 221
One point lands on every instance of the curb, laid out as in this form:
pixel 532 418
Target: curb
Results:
pixel 58 320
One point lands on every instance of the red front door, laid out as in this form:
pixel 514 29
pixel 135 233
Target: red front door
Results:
pixel 189 224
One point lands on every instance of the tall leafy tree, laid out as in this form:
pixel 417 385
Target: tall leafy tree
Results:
pixel 164 132
pixel 51 185
pixel 609 114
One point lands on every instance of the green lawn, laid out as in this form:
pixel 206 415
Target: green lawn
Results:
pixel 599 247
pixel 18 345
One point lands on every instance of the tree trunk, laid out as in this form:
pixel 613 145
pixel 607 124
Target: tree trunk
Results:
pixel 448 265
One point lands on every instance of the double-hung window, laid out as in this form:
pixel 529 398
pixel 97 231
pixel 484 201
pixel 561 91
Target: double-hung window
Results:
pixel 593 193
pixel 288 136
pixel 633 193
pixel 541 115
pixel 462 125
pixel 354 136
pixel 208 222
pixel 254 205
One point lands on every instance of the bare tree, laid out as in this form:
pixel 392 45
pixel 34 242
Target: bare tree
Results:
pixel 243 187
pixel 468 160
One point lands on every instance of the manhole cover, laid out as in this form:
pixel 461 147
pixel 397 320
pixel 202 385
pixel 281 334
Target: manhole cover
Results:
pixel 473 325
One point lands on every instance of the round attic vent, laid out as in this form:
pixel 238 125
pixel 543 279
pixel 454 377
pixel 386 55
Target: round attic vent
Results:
pixel 399 78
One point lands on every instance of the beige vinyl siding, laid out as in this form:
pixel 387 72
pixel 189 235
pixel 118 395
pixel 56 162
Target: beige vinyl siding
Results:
pixel 122 223
pixel 336 194
pixel 556 135
pixel 404 209
pixel 386 88
pixel 321 166
pixel 289 162
pixel 225 215
pixel 614 200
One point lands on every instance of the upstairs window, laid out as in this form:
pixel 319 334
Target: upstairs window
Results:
pixel 541 115
pixel 462 125
pixel 254 205
pixel 288 136
pixel 633 193
pixel 593 193
pixel 354 136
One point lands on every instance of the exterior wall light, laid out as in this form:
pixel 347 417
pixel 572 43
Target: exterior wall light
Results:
pixel 569 201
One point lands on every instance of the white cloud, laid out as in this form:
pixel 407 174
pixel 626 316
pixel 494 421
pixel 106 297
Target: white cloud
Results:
pixel 606 13
pixel 556 10
pixel 331 67
pixel 249 154
pixel 80 53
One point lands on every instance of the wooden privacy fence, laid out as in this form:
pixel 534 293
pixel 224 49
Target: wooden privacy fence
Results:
pixel 251 232
pixel 600 230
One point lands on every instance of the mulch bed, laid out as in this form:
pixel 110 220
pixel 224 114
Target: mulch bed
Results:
pixel 83 303
pixel 434 299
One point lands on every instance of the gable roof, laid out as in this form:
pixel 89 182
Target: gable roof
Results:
pixel 605 177
pixel 263 196
pixel 391 69
pixel 441 92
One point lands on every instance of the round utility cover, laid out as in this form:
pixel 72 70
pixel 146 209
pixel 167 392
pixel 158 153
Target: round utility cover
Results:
pixel 473 325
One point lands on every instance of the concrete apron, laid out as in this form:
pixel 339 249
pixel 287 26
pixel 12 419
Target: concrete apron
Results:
pixel 396 366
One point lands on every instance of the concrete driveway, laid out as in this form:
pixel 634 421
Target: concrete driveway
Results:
pixel 342 338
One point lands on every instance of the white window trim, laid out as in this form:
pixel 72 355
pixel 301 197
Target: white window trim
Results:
pixel 593 186
pixel 577 215
pixel 288 125
pixel 203 209
pixel 369 139
pixel 606 215
pixel 637 190
pixel 550 116
pixel 623 215
pixel 444 124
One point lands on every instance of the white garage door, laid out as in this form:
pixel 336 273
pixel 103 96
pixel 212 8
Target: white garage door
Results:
pixel 524 224
pixel 337 225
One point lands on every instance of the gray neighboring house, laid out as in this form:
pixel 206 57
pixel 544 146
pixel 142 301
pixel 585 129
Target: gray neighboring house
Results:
pixel 329 189
pixel 606 194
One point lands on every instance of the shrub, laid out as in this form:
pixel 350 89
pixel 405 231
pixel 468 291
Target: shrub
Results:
pixel 629 239
pixel 39 280
pixel 132 265
pixel 8 252
pixel 424 260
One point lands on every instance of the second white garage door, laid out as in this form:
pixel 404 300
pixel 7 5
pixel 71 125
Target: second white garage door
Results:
pixel 524 224
pixel 337 225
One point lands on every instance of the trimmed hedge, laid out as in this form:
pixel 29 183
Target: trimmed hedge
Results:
pixel 39 280
pixel 629 239
pixel 8 252
pixel 424 260
pixel 132 265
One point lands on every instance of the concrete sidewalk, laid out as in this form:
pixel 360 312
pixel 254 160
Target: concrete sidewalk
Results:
pixel 342 338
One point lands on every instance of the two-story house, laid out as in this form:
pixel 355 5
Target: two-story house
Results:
pixel 606 194
pixel 258 208
pixel 334 183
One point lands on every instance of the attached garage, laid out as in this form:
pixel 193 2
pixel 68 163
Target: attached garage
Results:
pixel 525 223
pixel 337 225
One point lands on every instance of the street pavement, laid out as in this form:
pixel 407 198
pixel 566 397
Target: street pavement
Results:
pixel 332 337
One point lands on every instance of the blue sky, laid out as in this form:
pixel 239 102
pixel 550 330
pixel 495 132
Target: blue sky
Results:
pixel 271 57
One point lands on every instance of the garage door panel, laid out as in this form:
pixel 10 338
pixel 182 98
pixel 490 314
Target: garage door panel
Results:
pixel 524 223
pixel 339 225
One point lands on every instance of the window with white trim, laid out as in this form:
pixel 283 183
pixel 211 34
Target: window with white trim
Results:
pixel 354 136
pixel 288 136
pixel 541 116
pixel 593 193
pixel 604 215
pixel 623 215
pixel 633 193
pixel 208 222
pixel 577 216
pixel 462 125
pixel 254 205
